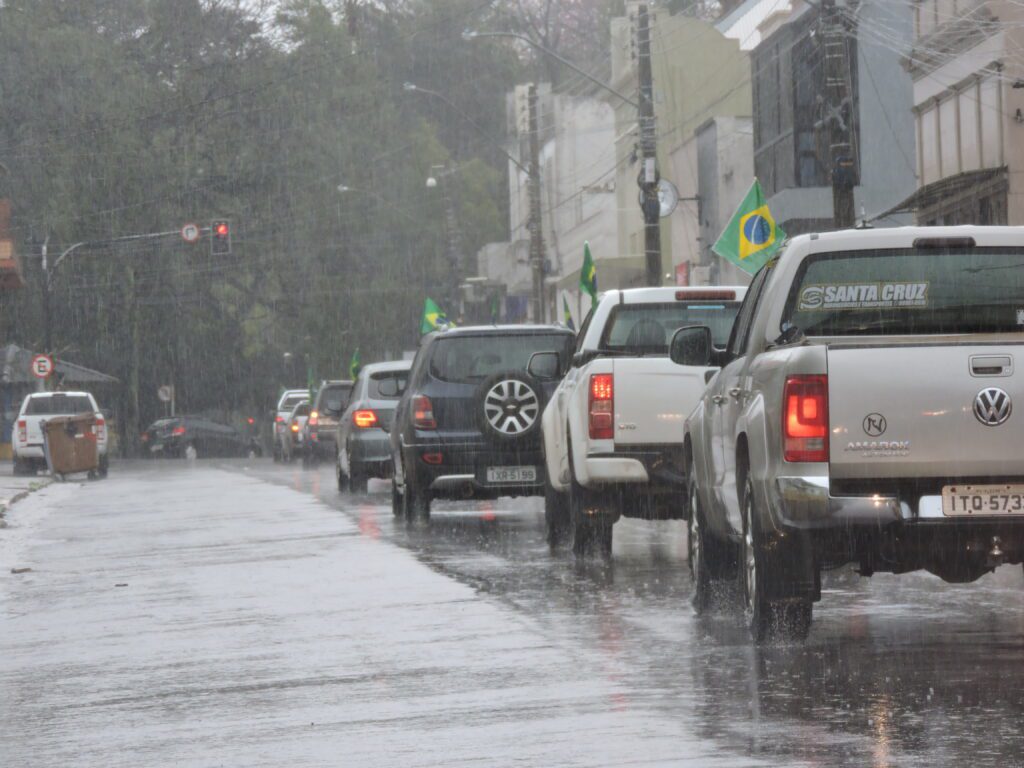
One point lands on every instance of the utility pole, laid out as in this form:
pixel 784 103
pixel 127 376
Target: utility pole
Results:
pixel 839 115
pixel 456 268
pixel 648 178
pixel 535 225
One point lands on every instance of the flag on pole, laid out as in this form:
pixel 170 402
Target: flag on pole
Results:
pixel 354 366
pixel 567 315
pixel 588 275
pixel 434 318
pixel 752 237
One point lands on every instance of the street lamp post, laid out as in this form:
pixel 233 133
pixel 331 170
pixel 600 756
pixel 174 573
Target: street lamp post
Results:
pixel 437 179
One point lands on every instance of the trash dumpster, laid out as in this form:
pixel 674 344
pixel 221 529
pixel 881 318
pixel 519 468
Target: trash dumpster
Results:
pixel 70 445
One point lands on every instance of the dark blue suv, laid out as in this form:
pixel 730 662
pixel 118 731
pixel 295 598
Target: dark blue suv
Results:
pixel 468 424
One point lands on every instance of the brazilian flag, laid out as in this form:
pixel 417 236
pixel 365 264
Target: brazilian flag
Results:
pixel 752 237
pixel 588 275
pixel 434 318
pixel 354 366
pixel 567 315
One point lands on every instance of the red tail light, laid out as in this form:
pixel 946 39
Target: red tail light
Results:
pixel 178 431
pixel 602 406
pixel 295 426
pixel 433 458
pixel 365 419
pixel 144 437
pixel 314 417
pixel 805 420
pixel 423 413
pixel 251 420
pixel 279 419
pixel 100 428
pixel 23 430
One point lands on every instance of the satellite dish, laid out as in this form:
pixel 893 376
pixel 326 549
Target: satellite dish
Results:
pixel 668 198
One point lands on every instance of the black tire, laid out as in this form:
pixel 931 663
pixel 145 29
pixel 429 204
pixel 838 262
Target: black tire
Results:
pixel 23 468
pixel 590 521
pixel 697 543
pixel 104 467
pixel 341 477
pixel 766 618
pixel 524 399
pixel 357 479
pixel 556 515
pixel 397 508
pixel 415 503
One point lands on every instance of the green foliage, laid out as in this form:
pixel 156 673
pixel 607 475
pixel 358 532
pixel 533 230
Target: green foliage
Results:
pixel 122 117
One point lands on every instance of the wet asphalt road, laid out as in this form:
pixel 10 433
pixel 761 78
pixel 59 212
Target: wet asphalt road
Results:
pixel 266 620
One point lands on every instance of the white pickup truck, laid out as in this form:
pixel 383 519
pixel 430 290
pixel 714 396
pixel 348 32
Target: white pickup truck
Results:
pixel 613 430
pixel 27 440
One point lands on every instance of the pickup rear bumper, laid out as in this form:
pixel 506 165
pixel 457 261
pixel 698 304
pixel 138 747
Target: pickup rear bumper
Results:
pixel 657 466
pixel 806 503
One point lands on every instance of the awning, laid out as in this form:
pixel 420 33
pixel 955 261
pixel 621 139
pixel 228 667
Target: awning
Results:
pixel 944 189
pixel 15 362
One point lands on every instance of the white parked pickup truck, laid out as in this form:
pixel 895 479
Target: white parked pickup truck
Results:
pixel 613 430
pixel 27 439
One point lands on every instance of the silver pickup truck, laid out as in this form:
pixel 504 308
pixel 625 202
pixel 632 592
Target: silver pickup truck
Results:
pixel 863 414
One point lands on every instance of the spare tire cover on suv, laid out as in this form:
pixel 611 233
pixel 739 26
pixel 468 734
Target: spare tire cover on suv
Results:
pixel 509 406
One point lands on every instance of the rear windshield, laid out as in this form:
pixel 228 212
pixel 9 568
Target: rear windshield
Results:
pixel 474 358
pixel 59 404
pixel 906 292
pixel 302 410
pixel 292 400
pixel 648 328
pixel 334 397
pixel 390 382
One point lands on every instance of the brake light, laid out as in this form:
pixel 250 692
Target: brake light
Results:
pixel 295 427
pixel 178 431
pixel 279 419
pixel 711 295
pixel 433 458
pixel 101 427
pixel 22 430
pixel 805 418
pixel 314 417
pixel 602 406
pixel 365 419
pixel 423 413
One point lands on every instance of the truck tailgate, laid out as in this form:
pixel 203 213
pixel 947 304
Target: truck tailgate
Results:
pixel 653 397
pixel 909 411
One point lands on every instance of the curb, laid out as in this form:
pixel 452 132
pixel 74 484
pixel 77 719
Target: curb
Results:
pixel 6 503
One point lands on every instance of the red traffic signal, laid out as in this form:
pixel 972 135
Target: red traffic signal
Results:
pixel 220 237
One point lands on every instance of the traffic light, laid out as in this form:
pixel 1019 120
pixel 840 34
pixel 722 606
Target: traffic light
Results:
pixel 220 237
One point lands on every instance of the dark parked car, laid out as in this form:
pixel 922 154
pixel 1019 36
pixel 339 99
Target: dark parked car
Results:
pixel 364 450
pixel 171 437
pixel 468 425
pixel 321 428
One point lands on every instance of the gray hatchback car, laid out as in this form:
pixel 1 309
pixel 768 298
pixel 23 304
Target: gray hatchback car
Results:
pixel 364 450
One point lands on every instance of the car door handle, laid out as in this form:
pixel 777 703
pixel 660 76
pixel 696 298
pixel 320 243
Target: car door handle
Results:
pixel 717 399
pixel 735 392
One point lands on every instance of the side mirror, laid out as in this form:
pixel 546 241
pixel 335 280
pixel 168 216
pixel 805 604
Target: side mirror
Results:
pixel 692 346
pixel 388 387
pixel 544 365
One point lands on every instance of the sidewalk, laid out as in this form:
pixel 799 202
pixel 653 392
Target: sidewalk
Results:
pixel 13 489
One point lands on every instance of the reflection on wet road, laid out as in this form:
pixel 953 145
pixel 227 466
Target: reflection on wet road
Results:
pixel 259 626
pixel 901 670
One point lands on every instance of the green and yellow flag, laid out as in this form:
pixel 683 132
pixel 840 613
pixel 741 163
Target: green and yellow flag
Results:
pixel 752 237
pixel 567 315
pixel 588 275
pixel 434 318
pixel 354 366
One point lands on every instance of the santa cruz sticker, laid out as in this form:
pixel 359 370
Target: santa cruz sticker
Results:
pixel 863 296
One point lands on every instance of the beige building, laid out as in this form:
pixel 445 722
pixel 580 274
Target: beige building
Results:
pixel 968 100
pixel 699 76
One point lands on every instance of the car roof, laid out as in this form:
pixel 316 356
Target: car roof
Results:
pixel 904 237
pixel 501 330
pixel 393 365
pixel 76 393
pixel 672 293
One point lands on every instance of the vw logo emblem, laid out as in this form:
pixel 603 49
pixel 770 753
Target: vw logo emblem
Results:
pixel 992 407
pixel 874 424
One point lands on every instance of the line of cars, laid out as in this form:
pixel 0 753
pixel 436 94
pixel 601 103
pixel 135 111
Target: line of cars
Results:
pixel 854 404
